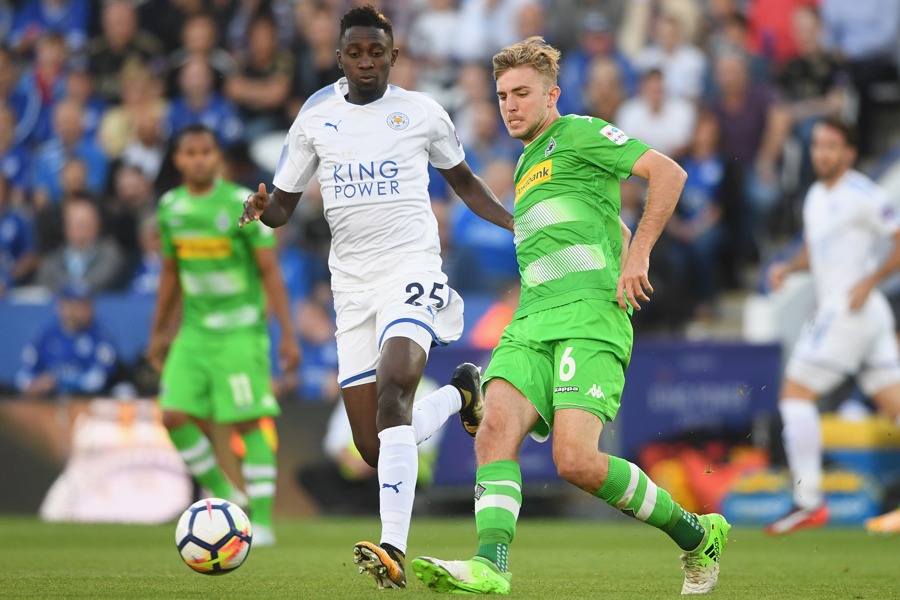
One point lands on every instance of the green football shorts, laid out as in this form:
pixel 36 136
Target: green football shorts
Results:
pixel 571 356
pixel 225 377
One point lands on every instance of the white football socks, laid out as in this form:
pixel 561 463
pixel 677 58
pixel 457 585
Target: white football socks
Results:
pixel 803 447
pixel 398 468
pixel 432 411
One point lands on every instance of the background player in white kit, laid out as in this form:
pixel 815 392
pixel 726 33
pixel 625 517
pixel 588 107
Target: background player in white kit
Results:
pixel 845 217
pixel 371 144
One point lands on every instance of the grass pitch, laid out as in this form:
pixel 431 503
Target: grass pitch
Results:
pixel 558 559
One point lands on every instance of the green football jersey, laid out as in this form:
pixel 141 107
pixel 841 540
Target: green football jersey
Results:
pixel 568 239
pixel 217 266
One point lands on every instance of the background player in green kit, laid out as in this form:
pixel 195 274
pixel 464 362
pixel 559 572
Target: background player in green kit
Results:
pixel 218 367
pixel 561 362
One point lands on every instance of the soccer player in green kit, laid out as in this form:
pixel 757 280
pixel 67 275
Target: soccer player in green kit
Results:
pixel 218 367
pixel 561 362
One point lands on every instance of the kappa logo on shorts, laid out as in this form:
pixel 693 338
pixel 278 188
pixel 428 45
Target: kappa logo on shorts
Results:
pixel 565 389
pixel 596 392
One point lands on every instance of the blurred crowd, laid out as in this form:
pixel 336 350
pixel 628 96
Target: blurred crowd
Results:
pixel 91 93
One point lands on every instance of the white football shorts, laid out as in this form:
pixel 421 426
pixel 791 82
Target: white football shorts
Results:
pixel 837 342
pixel 422 308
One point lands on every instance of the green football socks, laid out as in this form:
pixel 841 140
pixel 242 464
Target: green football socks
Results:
pixel 498 497
pixel 198 455
pixel 631 491
pixel 259 471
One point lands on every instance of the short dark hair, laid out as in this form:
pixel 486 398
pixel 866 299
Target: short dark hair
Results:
pixel 366 16
pixel 192 129
pixel 846 129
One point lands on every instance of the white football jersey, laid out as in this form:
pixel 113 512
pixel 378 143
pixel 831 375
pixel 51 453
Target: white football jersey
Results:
pixel 843 226
pixel 372 163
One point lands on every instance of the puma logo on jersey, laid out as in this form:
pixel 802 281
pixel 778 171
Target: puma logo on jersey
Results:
pixel 335 125
pixel 595 391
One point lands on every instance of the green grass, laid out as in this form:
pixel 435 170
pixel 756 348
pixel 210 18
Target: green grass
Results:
pixel 558 559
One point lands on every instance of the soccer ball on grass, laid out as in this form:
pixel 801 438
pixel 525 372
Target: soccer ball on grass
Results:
pixel 213 536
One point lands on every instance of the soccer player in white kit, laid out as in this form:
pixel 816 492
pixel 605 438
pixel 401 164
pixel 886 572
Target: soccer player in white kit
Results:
pixel 370 144
pixel 852 332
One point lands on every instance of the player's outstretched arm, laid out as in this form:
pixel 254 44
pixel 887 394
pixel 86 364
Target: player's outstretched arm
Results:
pixel 477 195
pixel 272 209
pixel 666 179
pixel 778 271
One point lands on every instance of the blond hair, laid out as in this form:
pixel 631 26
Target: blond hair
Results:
pixel 533 52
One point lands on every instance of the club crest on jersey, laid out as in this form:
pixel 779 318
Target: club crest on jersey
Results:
pixel 398 121
pixel 614 134
pixel 222 222
pixel 550 147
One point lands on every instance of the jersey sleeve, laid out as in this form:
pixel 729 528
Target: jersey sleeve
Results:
pixel 445 151
pixel 884 213
pixel 298 161
pixel 606 146
pixel 165 236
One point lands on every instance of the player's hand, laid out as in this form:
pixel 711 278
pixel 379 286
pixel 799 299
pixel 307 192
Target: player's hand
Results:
pixel 776 275
pixel 634 283
pixel 255 206
pixel 288 353
pixel 859 293
pixel 156 352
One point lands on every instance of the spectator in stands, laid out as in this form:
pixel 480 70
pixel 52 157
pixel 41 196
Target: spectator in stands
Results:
pixel 771 26
pixel 484 258
pixel 753 128
pixel 80 87
pixel 141 99
pixel 262 83
pixel 24 101
pixel 74 355
pixel 318 371
pixel 123 211
pixel 813 84
pixel 199 38
pixel 432 43
pixel 480 136
pixel 596 42
pixel 7 16
pixel 237 31
pixel 14 160
pixel 85 258
pixel 489 26
pixel 604 91
pixel 122 44
pixel 166 19
pixel 663 121
pixel 865 35
pixel 313 53
pixel 46 79
pixel 695 229
pixel 148 148
pixel 68 141
pixel 18 257
pixel 67 18
pixel 49 216
pixel 200 103
pixel 146 271
pixel 681 63
pixel 298 269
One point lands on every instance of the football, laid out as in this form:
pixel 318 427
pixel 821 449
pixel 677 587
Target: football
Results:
pixel 213 536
